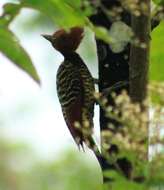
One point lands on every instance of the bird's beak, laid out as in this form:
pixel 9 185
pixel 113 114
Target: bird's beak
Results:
pixel 47 37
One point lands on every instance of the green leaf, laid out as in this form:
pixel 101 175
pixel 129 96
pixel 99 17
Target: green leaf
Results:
pixel 158 2
pixel 10 11
pixel 82 6
pixel 58 11
pixel 74 3
pixel 100 32
pixel 12 49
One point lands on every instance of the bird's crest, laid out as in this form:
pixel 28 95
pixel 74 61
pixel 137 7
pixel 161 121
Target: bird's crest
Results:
pixel 67 41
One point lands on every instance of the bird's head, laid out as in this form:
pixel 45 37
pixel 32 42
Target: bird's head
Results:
pixel 66 41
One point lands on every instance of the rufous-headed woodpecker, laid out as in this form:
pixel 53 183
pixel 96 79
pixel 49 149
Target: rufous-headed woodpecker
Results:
pixel 75 86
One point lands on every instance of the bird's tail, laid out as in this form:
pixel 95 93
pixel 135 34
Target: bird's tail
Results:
pixel 92 145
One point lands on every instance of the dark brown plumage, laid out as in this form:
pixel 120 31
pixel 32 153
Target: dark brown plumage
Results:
pixel 75 86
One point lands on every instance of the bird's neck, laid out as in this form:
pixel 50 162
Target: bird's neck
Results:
pixel 72 57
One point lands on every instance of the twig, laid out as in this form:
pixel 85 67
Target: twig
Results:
pixel 116 86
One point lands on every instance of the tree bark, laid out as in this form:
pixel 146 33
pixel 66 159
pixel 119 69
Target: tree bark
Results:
pixel 139 54
pixel 139 61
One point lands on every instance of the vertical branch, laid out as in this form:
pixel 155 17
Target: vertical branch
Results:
pixel 139 54
pixel 139 61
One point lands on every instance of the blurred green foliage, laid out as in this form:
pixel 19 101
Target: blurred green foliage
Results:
pixel 21 169
pixel 157 61
pixel 159 2
pixel 157 54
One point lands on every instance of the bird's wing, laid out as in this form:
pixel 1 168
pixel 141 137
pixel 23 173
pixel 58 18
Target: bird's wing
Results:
pixel 70 93
pixel 73 118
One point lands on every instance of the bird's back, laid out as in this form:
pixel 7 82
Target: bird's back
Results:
pixel 75 88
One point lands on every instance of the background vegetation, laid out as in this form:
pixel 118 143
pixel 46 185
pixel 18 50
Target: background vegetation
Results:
pixel 20 168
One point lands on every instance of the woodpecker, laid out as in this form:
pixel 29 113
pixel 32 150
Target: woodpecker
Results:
pixel 75 86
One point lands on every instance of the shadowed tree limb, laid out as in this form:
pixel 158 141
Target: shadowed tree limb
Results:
pixel 139 55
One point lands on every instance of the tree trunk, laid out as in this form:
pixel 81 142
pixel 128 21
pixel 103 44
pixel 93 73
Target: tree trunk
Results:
pixel 139 60
pixel 139 54
pixel 113 67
